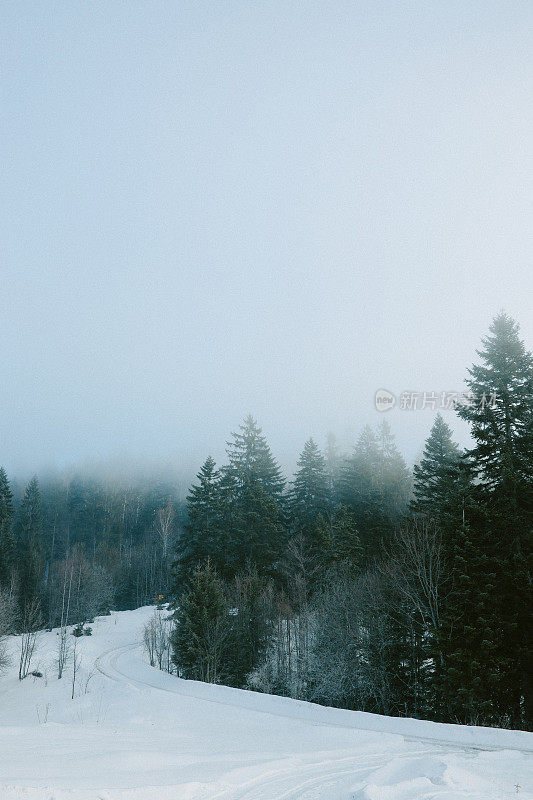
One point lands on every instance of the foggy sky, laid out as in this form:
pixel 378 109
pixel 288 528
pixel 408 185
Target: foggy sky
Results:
pixel 211 209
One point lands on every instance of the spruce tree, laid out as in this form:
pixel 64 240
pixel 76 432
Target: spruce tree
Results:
pixel 200 538
pixel 202 626
pixel 310 494
pixel 251 460
pixel 30 545
pixel 7 540
pixel 253 519
pixel 435 474
pixel 500 412
pixel 486 624
pixel 394 481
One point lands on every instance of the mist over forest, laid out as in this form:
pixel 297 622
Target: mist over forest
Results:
pixel 266 399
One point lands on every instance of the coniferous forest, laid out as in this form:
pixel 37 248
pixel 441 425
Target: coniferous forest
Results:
pixel 356 583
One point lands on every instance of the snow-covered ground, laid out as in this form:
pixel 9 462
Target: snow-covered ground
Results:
pixel 135 733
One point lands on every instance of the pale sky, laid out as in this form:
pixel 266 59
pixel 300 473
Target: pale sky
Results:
pixel 216 208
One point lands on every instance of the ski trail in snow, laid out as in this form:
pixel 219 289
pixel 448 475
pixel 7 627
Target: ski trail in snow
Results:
pixel 323 779
pixel 296 782
pixel 107 664
pixel 137 733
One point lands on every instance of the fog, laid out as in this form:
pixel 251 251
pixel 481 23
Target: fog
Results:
pixel 215 209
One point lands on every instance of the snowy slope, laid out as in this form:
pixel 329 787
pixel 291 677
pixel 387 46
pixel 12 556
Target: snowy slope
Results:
pixel 135 733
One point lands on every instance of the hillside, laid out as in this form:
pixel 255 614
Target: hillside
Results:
pixel 134 733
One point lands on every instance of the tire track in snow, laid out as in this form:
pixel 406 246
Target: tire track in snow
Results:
pixel 114 673
pixel 295 782
pixel 319 780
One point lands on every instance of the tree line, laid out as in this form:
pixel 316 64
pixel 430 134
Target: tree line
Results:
pixel 359 584
pixel 364 586
pixel 101 544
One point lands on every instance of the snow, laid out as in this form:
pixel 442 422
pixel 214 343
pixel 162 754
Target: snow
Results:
pixel 135 733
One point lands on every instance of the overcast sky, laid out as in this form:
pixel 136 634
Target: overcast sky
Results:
pixel 216 208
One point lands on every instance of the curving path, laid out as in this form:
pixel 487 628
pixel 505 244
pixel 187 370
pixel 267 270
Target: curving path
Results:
pixel 322 777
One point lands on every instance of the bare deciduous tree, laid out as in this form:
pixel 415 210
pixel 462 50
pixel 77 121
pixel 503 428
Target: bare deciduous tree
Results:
pixel 31 622
pixel 415 568
pixel 165 526
pixel 156 640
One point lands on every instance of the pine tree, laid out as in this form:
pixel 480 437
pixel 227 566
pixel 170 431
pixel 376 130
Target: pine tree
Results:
pixel 199 541
pixel 375 485
pixel 252 504
pixel 336 540
pixel 30 546
pixel 435 474
pixel 7 540
pixel 394 482
pixel 261 535
pixel 500 412
pixel 486 619
pixel 200 637
pixel 251 460
pixel 310 494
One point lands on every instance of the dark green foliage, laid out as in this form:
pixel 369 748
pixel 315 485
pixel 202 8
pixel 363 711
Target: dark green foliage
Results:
pixel 30 546
pixel 260 532
pixel 310 493
pixel 202 624
pixel 250 626
pixel 336 540
pixel 436 473
pixel 503 429
pixel 7 539
pixel 203 528
pixel 487 619
pixel 251 460
pixel 375 485
pixel 235 516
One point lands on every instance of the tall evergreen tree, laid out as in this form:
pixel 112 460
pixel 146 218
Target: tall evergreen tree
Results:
pixel 500 412
pixel 310 493
pixel 201 538
pixel 30 545
pixel 7 540
pixel 488 609
pixel 253 519
pixel 435 474
pixel 394 482
pixel 375 485
pixel 251 460
pixel 200 638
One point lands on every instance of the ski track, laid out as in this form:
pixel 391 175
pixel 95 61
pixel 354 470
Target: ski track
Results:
pixel 325 780
pixel 114 654
pixel 141 734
